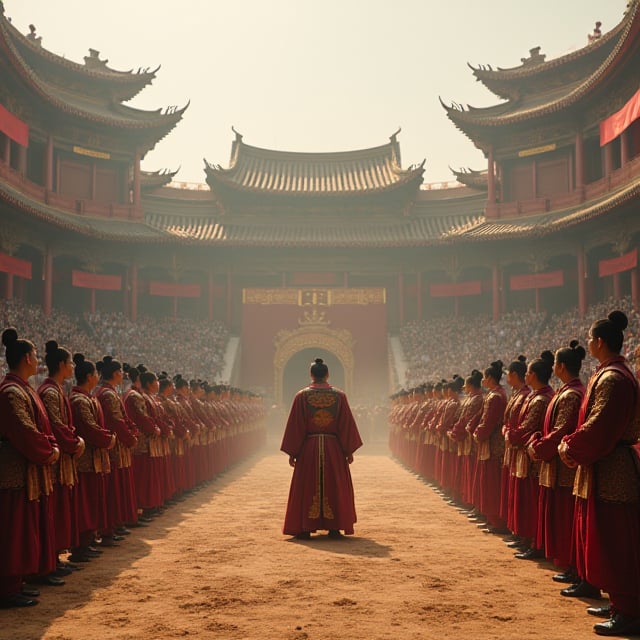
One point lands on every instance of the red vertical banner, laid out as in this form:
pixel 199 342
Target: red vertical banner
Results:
pixel 615 124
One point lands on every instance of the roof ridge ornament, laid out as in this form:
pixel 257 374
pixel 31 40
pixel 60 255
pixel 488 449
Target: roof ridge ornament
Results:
pixel 92 61
pixel 535 57
pixel 596 35
pixel 33 36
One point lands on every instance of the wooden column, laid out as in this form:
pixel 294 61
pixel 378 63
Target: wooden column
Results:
pixel 635 288
pixel 228 298
pixel 211 294
pixel 8 292
pixel 537 299
pixel 491 183
pixel 616 286
pixel 582 283
pixel 400 299
pixel 93 301
pixel 133 305
pixel 419 295
pixel 126 289
pixel 6 150
pixel 579 159
pixel 175 307
pixel 48 164
pixel 624 147
pixel 47 276
pixel 608 160
pixel 456 306
pixel 22 160
pixel 495 287
pixel 345 279
pixel 136 180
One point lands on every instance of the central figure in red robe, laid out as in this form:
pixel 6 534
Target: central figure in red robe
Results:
pixel 320 438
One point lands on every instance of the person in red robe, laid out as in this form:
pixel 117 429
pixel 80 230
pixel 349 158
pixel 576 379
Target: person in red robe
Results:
pixel 65 498
pixel 489 439
pixel 27 451
pixel 607 516
pixel 556 501
pixel 320 438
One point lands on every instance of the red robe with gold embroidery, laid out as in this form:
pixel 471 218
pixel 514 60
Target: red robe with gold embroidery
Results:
pixel 320 434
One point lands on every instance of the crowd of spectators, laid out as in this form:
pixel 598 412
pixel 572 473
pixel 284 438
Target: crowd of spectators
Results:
pixel 440 347
pixel 194 348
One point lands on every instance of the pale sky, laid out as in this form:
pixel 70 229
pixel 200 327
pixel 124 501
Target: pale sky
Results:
pixel 296 75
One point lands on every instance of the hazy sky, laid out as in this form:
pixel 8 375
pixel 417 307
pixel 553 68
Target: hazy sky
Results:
pixel 330 75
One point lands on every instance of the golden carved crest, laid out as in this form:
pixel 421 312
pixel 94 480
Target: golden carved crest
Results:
pixel 315 316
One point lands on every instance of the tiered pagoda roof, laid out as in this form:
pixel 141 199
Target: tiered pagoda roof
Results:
pixel 374 171
pixel 92 92
pixel 538 88
pixel 472 178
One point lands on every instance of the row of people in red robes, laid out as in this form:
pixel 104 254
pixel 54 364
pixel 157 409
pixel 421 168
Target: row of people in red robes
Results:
pixel 556 469
pixel 82 466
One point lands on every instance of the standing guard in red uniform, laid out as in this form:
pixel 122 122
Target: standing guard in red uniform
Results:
pixel 320 439
pixel 27 451
pixel 607 517
pixel 65 497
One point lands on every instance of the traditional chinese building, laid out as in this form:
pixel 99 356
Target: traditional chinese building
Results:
pixel 329 252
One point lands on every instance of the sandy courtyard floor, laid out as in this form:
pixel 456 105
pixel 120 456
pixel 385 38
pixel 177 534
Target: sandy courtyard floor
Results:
pixel 217 566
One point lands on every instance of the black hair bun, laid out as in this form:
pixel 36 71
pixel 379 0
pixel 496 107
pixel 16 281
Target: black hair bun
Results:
pixel 547 356
pixel 619 320
pixel 573 344
pixel 107 359
pixel 498 365
pixel 8 336
pixel 522 358
pixel 51 346
pixel 78 358
pixel 319 361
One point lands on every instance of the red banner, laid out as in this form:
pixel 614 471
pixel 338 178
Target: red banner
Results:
pixel 15 266
pixel 614 125
pixel 618 265
pixel 174 290
pixel 537 281
pixel 317 279
pixel 96 281
pixel 456 289
pixel 14 128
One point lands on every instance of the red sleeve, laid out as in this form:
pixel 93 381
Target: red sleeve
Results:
pixel 137 413
pixel 612 410
pixel 295 430
pixel 86 423
pixel 532 421
pixel 19 426
pixel 348 433
pixel 115 419
pixel 492 416
pixel 565 422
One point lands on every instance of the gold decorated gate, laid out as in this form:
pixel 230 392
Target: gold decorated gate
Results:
pixel 314 336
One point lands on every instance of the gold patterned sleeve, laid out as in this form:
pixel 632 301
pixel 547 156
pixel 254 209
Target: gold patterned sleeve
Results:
pixel 113 406
pixel 51 401
pixel 533 421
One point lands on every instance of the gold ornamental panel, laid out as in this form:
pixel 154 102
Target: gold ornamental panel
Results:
pixel 289 342
pixel 314 296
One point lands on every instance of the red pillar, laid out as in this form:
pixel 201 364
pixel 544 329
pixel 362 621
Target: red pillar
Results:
pixel 537 298
pixel 93 301
pixel 491 181
pixel 617 294
pixel 210 299
pixel 608 160
pixel 22 160
pixel 582 283
pixel 136 180
pixel 624 147
pixel 175 307
pixel 579 160
pixel 9 286
pixel 47 276
pixel 126 292
pixel 133 305
pixel 400 299
pixel 456 306
pixel 419 295
pixel 495 286
pixel 48 164
pixel 6 150
pixel 635 289
pixel 228 298
pixel 345 279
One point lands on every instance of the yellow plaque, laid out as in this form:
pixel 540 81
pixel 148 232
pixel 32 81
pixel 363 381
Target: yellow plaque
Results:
pixel 91 153
pixel 536 150
pixel 314 297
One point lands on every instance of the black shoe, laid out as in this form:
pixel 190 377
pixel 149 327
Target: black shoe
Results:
pixel 498 531
pixel 17 600
pixel 70 566
pixel 517 544
pixel 335 534
pixel 568 577
pixel 303 535
pixel 61 572
pixel 530 554
pixel 600 612
pixel 79 557
pixel 91 550
pixel 49 580
pixel 122 531
pixel 581 590
pixel 117 538
pixel 30 592
pixel 618 625
pixel 137 524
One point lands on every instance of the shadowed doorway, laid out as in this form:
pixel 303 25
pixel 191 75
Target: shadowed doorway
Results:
pixel 296 372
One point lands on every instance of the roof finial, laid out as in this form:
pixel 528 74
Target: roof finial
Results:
pixel 596 35
pixel 33 36
pixel 535 57
pixel 238 134
pixel 395 135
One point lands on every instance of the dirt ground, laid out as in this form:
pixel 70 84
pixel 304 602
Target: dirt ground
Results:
pixel 217 566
